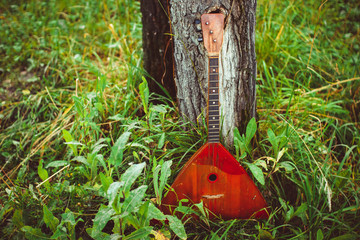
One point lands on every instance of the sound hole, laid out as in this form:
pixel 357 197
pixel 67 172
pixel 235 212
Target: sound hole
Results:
pixel 212 177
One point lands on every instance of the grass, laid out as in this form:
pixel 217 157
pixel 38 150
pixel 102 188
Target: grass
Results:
pixel 77 122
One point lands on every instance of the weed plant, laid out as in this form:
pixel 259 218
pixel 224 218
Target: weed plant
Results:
pixel 85 154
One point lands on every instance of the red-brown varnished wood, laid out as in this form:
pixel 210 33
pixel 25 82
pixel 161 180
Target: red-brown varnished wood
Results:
pixel 213 30
pixel 231 195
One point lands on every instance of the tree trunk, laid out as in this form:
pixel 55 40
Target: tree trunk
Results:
pixel 237 71
pixel 157 45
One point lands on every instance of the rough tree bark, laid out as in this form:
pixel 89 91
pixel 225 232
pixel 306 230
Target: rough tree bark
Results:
pixel 237 72
pixel 157 45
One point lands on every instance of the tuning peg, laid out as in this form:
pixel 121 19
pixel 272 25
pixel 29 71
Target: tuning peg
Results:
pixel 197 21
pixel 200 39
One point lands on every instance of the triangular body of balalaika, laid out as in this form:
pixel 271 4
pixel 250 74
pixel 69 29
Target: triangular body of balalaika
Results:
pixel 214 176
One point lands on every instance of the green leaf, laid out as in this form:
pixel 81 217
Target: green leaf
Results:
pixel 250 130
pixel 256 172
pixel 68 217
pixel 347 236
pixel 69 139
pixel 188 210
pixel 105 181
pixel 102 217
pixel 113 191
pixel 240 144
pixel 319 235
pixel 273 141
pixel 133 200
pixel 60 233
pixel 116 236
pixel 159 108
pixel 265 235
pixel 165 174
pixel 342 178
pixel 159 184
pixel 59 163
pixel 155 213
pixel 43 174
pixel 99 145
pixel 289 166
pixel 17 218
pixel 156 183
pixel 300 210
pixel 161 141
pixel 131 174
pixel 139 234
pixel 237 134
pixel 143 213
pixel 34 233
pixel 117 117
pixel 144 94
pixel 280 154
pixel 79 107
pixel 81 159
pixel 177 226
pixel 289 214
pixel 261 163
pixel 50 220
pixel 116 155
pixel 102 235
pixel 99 107
pixel 203 210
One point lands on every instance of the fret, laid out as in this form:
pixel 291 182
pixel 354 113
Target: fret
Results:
pixel 213 90
pixel 214 113
pixel 213 70
pixel 213 108
pixel 214 84
pixel 214 117
pixel 213 136
pixel 213 77
pixel 216 121
pixel 214 139
pixel 213 132
pixel 213 61
pixel 213 96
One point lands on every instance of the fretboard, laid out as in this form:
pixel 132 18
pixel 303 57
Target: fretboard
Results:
pixel 213 101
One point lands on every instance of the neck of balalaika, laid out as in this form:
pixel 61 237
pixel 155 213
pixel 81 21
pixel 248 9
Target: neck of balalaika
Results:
pixel 213 100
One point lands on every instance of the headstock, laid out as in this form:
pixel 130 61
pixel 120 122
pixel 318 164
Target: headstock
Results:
pixel 213 29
